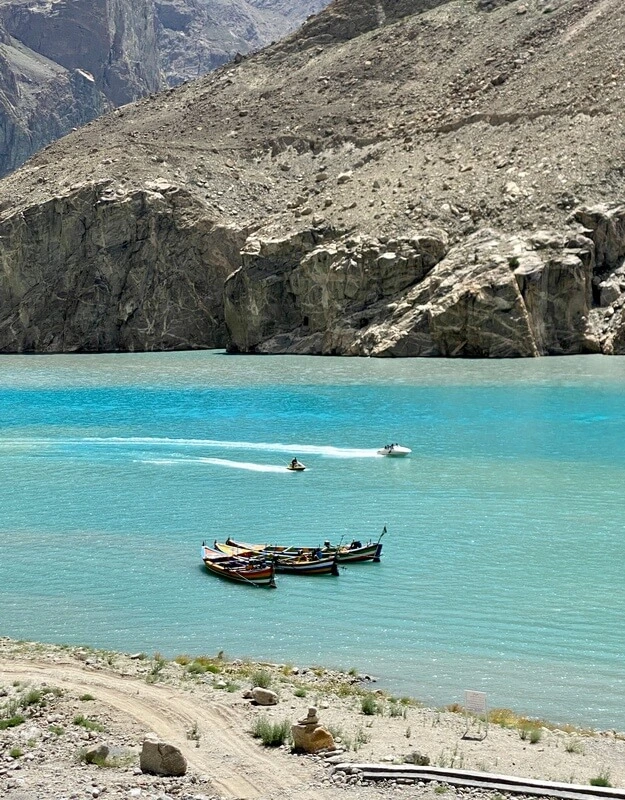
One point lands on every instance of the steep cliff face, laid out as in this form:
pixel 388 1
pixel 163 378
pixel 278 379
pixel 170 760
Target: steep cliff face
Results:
pixel 112 40
pixel 39 101
pixel 66 62
pixel 196 36
pixel 492 296
pixel 106 270
pixel 398 179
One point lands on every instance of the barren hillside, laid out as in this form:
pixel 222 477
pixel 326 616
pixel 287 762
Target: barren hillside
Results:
pixel 65 62
pixel 397 178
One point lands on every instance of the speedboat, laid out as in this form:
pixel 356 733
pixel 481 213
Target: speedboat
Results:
pixel 394 450
pixel 296 466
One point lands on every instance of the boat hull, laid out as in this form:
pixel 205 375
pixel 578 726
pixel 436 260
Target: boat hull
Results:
pixel 239 569
pixel 344 555
pixel 296 566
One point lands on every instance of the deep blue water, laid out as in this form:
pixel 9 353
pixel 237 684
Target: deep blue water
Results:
pixel 503 562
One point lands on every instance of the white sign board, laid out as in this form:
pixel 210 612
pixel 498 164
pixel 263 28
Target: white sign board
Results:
pixel 475 702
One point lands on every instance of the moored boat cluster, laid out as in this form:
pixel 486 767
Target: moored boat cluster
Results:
pixel 256 564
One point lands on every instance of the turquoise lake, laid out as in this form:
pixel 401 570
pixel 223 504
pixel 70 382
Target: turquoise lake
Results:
pixel 502 568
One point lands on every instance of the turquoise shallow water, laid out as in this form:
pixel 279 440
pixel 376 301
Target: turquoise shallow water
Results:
pixel 503 562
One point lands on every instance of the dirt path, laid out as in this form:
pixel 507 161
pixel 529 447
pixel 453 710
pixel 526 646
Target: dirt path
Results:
pixel 235 764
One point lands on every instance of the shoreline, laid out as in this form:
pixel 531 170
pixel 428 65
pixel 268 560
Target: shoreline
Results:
pixel 132 694
pixel 374 681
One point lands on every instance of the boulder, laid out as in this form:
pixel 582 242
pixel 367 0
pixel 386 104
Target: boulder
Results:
pixel 264 697
pixel 312 741
pixel 97 753
pixel 161 758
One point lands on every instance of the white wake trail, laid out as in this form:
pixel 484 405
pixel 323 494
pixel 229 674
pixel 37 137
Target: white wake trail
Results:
pixel 218 462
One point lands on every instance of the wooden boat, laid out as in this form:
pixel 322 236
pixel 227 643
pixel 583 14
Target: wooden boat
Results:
pixel 345 554
pixel 311 562
pixel 306 564
pixel 257 570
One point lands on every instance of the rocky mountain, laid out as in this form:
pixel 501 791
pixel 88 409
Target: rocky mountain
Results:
pixel 398 178
pixel 196 36
pixel 65 62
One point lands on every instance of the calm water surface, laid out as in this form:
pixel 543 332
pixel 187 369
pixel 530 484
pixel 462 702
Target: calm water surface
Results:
pixel 503 563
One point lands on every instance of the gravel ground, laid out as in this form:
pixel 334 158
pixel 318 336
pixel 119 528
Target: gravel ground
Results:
pixel 72 698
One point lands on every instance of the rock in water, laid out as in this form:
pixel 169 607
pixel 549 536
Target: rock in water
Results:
pixel 161 758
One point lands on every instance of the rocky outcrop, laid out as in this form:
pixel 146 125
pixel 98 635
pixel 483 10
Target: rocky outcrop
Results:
pixel 605 226
pixel 103 270
pixel 302 288
pixel 493 296
pixel 396 179
pixel 65 62
pixel 161 758
pixel 341 24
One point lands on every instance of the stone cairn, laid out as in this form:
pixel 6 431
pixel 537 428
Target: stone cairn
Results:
pixel 310 736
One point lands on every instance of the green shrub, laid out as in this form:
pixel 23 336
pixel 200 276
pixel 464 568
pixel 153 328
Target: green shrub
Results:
pixel 602 779
pixel 369 705
pixel 535 735
pixel 360 737
pixel 86 697
pixel 530 733
pixel 198 666
pixel 574 746
pixel 16 752
pixel 194 733
pixel 261 678
pixel 272 734
pixel 57 730
pixel 32 698
pixel 11 722
pixel 156 669
pixel 118 761
pixel 300 692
